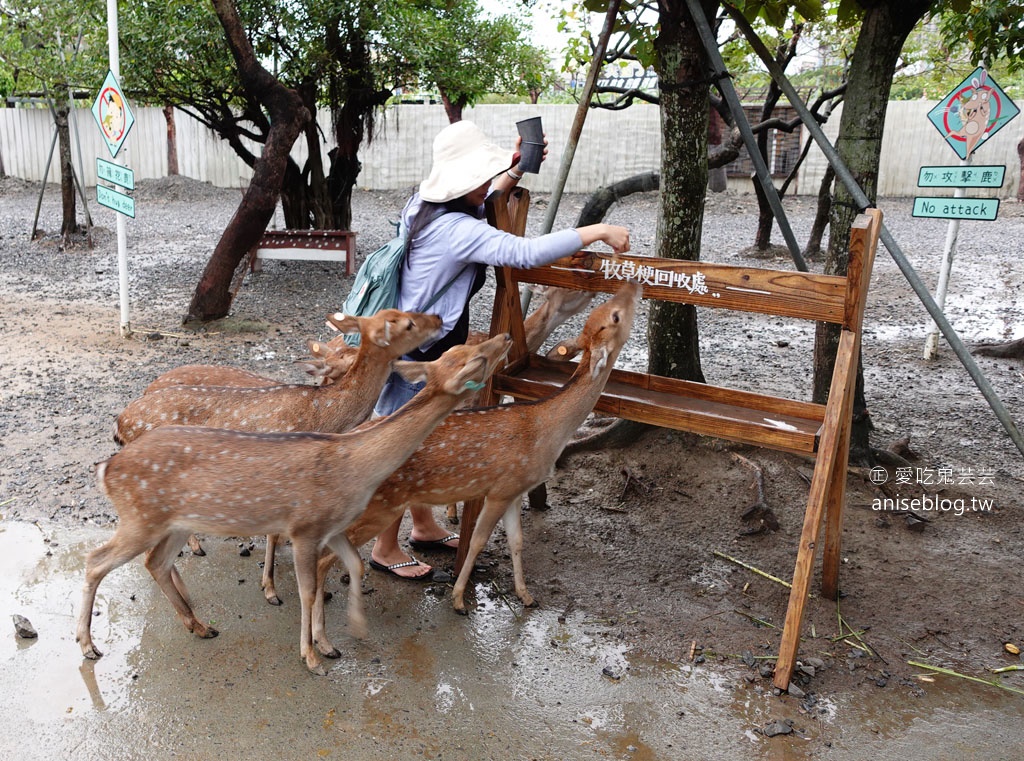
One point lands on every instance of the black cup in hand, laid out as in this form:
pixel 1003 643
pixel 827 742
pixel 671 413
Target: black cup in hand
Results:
pixel 532 147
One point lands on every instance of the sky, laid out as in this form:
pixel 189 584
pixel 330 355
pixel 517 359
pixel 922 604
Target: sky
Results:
pixel 545 28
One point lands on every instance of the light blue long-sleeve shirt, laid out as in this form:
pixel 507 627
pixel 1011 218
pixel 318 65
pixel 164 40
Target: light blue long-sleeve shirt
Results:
pixel 445 246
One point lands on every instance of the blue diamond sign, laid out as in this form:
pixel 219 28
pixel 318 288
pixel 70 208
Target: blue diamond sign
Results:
pixel 113 114
pixel 972 112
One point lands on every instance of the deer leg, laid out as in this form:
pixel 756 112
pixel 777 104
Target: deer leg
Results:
pixel 179 584
pixel 101 561
pixel 267 583
pixel 323 566
pixel 195 546
pixel 160 564
pixel 343 548
pixel 514 532
pixel 304 555
pixel 485 523
pixel 452 513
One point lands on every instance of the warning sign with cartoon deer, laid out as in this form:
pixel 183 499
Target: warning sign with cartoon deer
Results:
pixel 972 112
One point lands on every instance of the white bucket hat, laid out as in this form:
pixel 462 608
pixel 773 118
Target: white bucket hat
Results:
pixel 464 159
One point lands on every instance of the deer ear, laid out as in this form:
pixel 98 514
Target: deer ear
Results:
pixel 598 361
pixel 315 367
pixel 470 378
pixel 344 323
pixel 382 337
pixel 414 372
pixel 342 362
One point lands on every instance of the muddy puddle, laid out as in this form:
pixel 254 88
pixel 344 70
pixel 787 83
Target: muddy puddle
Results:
pixel 500 684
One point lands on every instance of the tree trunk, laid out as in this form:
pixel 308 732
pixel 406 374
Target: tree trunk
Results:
pixel 305 196
pixel 765 215
pixel 69 222
pixel 596 207
pixel 813 247
pixel 883 31
pixel 718 179
pixel 352 119
pixel 452 109
pixel 288 115
pixel 172 141
pixel 674 349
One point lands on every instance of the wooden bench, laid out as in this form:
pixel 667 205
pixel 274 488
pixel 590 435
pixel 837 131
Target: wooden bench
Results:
pixel 313 245
pixel 815 430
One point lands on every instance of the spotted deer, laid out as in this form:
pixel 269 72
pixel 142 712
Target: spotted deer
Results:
pixel 328 362
pixel 332 408
pixel 308 486
pixel 559 305
pixel 499 453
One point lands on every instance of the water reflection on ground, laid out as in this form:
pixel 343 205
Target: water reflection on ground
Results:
pixel 499 684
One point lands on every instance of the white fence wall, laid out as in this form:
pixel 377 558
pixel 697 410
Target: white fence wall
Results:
pixel 614 145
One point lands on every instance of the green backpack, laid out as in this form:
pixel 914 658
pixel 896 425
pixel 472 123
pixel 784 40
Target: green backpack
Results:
pixel 377 282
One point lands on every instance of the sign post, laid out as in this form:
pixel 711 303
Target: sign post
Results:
pixel 966 117
pixel 115 119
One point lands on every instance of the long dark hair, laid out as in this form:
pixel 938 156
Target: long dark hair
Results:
pixel 429 211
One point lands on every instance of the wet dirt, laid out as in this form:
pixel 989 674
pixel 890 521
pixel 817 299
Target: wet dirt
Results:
pixel 425 684
pixel 646 645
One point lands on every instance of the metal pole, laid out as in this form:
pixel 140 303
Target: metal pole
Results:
pixel 122 233
pixel 931 343
pixel 895 252
pixel 581 115
pixel 576 130
pixel 42 187
pixel 729 93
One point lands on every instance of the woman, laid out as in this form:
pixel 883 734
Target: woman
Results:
pixel 448 247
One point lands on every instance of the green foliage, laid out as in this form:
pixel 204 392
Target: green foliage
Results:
pixel 52 47
pixel 987 31
pixel 938 55
pixel 452 46
pixel 174 52
pixel 777 12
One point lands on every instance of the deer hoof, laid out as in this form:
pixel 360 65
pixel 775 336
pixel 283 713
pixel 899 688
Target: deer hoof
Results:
pixel 274 600
pixel 327 650
pixel 91 653
pixel 316 668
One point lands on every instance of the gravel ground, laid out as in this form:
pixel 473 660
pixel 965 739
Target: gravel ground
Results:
pixel 67 373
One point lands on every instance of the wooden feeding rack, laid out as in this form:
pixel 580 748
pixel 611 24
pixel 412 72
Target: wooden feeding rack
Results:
pixel 820 431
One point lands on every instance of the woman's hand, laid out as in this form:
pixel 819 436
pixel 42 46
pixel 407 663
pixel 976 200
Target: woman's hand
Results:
pixel 518 155
pixel 615 236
